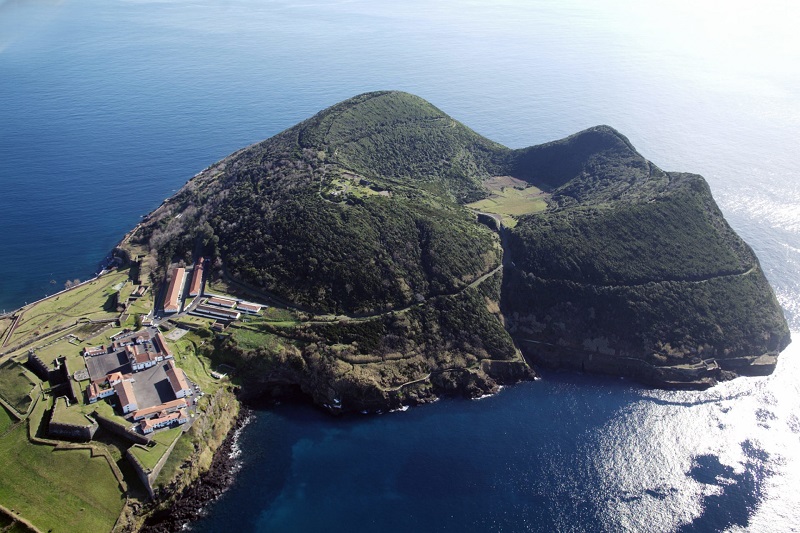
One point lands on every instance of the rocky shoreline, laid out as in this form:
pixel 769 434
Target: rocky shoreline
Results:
pixel 190 504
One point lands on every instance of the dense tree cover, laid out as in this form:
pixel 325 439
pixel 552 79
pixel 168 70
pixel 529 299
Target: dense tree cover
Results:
pixel 677 234
pixel 679 320
pixel 262 210
pixel 624 251
pixel 367 363
pixel 382 254
pixel 400 136
pixel 639 257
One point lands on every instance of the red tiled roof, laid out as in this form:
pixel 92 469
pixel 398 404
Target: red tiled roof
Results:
pixel 174 290
pixel 161 344
pixel 221 302
pixel 144 356
pixel 177 378
pixel 168 406
pixel 197 278
pixel 94 350
pixel 163 420
pixel 92 390
pixel 124 390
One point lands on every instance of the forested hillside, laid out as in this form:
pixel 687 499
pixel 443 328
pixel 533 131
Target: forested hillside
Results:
pixel 358 214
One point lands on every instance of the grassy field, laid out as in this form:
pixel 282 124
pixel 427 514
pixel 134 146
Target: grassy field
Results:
pixel 223 288
pixel 196 321
pixel 87 332
pixel 5 323
pixel 250 339
pixel 182 451
pixel 69 415
pixel 106 411
pixel 143 305
pixel 274 314
pixel 87 301
pixel 125 291
pixel 49 353
pixel 511 202
pixel 196 366
pixel 149 456
pixel 57 490
pixel 6 420
pixel 16 384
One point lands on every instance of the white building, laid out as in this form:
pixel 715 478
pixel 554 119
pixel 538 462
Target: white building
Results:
pixel 127 398
pixel 176 377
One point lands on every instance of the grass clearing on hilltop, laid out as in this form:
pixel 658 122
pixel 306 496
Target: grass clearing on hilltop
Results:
pixel 275 314
pixel 511 202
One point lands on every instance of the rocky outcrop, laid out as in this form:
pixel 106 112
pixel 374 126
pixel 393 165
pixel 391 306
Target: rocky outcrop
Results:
pixel 186 503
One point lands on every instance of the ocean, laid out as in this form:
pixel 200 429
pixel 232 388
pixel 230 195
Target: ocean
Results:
pixel 108 107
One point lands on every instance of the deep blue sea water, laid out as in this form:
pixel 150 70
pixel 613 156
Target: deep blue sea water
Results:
pixel 107 107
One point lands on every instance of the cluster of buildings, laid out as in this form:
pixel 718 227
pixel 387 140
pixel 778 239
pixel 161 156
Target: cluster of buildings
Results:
pixel 139 352
pixel 173 300
pixel 229 309
pixel 216 307
pixel 163 415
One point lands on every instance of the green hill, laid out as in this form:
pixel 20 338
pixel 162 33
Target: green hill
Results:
pixel 356 220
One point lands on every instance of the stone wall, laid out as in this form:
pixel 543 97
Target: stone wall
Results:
pixel 63 430
pixel 37 366
pixel 119 429
pixel 148 477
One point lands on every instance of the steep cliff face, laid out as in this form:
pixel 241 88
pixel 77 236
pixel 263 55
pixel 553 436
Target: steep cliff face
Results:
pixel 357 221
pixel 633 270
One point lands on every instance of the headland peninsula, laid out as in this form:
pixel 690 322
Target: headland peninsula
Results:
pixel 377 255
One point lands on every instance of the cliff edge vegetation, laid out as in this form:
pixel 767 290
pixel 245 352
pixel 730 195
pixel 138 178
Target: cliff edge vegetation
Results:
pixel 361 226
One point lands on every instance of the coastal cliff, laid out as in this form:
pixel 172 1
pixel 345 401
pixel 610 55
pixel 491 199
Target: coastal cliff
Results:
pixel 359 226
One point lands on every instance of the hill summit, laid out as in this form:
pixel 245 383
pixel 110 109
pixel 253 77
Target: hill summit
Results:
pixel 407 256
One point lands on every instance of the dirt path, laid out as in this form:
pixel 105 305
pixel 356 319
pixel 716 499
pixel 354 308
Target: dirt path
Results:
pixel 649 282
pixel 328 319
